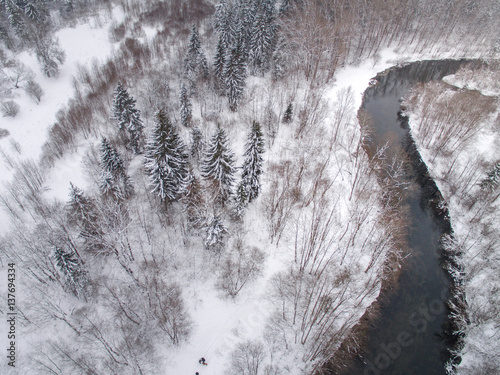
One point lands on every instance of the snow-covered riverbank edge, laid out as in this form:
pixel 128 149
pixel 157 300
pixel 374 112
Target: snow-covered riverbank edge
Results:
pixel 458 173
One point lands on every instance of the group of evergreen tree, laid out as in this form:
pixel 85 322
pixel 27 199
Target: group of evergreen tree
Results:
pixel 247 38
pixel 129 118
pixel 21 13
pixel 218 166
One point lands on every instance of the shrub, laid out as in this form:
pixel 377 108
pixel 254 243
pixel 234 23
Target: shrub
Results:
pixel 117 32
pixel 10 108
pixel 238 267
pixel 34 90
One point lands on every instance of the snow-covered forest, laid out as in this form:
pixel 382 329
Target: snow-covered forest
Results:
pixel 188 178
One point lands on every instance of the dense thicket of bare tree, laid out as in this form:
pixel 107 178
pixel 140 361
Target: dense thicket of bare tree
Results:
pixel 327 34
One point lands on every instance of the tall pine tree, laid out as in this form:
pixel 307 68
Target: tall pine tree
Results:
pixel 219 66
pixel 128 117
pixel 492 180
pixel 262 38
pixel 218 165
pixel 195 63
pixel 193 201
pixel 186 107
pixel 114 182
pixel 252 166
pixel 197 144
pixel 166 160
pixel 83 212
pixel 72 270
pixel 234 76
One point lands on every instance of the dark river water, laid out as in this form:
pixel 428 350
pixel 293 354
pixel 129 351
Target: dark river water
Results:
pixel 407 337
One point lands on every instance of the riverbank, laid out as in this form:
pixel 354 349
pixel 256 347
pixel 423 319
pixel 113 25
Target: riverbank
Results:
pixel 456 131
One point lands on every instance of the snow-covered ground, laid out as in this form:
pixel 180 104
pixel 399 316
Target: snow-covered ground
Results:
pixel 83 44
pixel 474 215
pixel 219 323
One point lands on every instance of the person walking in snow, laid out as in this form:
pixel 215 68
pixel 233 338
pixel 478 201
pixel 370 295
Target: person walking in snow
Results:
pixel 202 361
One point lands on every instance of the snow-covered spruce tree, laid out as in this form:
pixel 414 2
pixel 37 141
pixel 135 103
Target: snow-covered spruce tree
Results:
pixel 15 16
pixel 72 270
pixel 83 212
pixel 240 201
pixel 278 61
pixel 114 182
pixel 195 63
pixel 166 160
pixel 36 10
pixel 218 165
pixel 186 107
pixel 193 201
pixel 219 66
pixel 223 21
pixel 128 117
pixel 245 11
pixel 263 37
pixel 197 144
pixel 252 166
pixel 492 180
pixel 215 231
pixel 120 97
pixel 287 117
pixel 234 76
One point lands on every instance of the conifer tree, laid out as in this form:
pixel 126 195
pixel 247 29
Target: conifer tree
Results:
pixel 197 145
pixel 83 212
pixel 31 11
pixel 120 97
pixel 492 180
pixel 114 179
pixel 240 200
pixel 72 270
pixel 128 117
pixel 215 233
pixel 252 167
pixel 219 66
pixel 166 160
pixel 278 59
pixel 218 165
pixel 287 117
pixel 193 201
pixel 186 108
pixel 234 76
pixel 15 17
pixel 223 21
pixel 262 40
pixel 196 61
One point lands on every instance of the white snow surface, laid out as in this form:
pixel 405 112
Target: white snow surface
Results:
pixel 82 44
